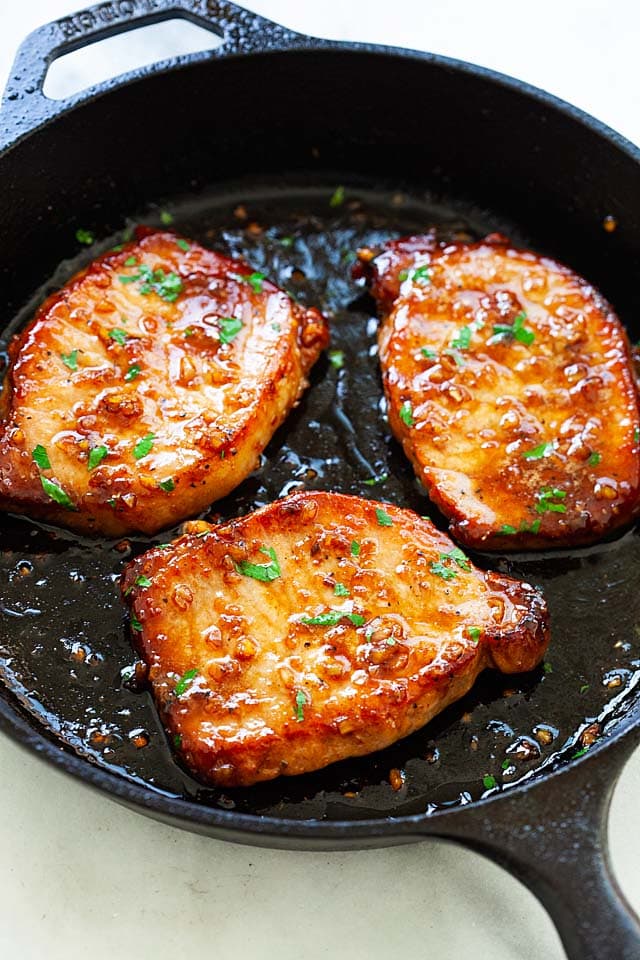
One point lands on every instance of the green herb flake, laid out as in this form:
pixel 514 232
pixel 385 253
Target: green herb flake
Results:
pixel 546 498
pixel 135 624
pixel 166 218
pixel 337 197
pixel 131 261
pixel 594 459
pixel 506 530
pixel 515 330
pixel 355 548
pixel 332 617
pixel 253 279
pixel 85 236
pixel 421 275
pixel 265 572
pixel 584 687
pixel 168 286
pixel 463 339
pixel 427 353
pixel 183 244
pixel 537 453
pixel 96 456
pixel 177 740
pixel 229 328
pixel 458 557
pixel 336 359
pixel 406 414
pixel 636 434
pixel 474 634
pixel 340 590
pixel 56 493
pixel 376 479
pixel 185 681
pixel 119 335
pixel 143 581
pixel 440 570
pixel 455 354
pixel 301 702
pixel 489 781
pixel 403 275
pixel 547 668
pixel 579 753
pixel 132 372
pixel 287 241
pixel 70 360
pixel 383 518
pixel 167 485
pixel 41 457
pixel 144 446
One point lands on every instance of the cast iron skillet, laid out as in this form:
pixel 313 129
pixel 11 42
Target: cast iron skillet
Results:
pixel 415 140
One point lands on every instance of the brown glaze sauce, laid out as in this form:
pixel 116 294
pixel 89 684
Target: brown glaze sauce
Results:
pixel 65 653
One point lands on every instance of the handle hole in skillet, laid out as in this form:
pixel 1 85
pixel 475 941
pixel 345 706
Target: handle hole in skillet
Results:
pixel 105 59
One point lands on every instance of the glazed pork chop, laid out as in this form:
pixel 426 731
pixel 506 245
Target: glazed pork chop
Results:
pixel 148 386
pixel 510 388
pixel 318 628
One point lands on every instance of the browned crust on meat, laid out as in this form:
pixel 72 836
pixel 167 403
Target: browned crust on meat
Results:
pixel 417 644
pixel 211 406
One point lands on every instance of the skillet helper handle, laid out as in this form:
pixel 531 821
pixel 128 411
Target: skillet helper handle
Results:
pixel 554 839
pixel 24 102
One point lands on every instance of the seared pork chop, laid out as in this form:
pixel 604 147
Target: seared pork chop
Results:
pixel 148 386
pixel 510 387
pixel 318 628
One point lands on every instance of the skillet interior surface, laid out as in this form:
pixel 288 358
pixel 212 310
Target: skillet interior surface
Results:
pixel 65 655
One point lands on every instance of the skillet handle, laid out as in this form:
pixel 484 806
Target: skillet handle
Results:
pixel 24 105
pixel 554 839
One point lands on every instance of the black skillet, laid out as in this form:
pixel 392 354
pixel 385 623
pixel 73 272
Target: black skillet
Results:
pixel 273 122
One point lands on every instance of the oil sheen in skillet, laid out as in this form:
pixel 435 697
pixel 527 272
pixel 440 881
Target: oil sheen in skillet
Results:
pixel 65 653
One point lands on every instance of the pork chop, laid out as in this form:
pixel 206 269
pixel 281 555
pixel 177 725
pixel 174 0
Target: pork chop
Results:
pixel 510 387
pixel 317 628
pixel 148 386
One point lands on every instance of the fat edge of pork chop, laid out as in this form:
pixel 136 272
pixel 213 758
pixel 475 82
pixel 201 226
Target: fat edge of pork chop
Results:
pixel 318 628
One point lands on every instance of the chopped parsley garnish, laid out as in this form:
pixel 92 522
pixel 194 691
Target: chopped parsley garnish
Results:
pixel 333 617
pixel 168 286
pixel 340 590
pixel 183 244
pixel 594 459
pixel 547 668
pixel 516 330
pixel 287 241
pixel 253 279
pixel 428 353
pixel 135 624
pixel 584 687
pixel 537 453
pixel 337 197
pixel 456 356
pixel 167 485
pixel 144 446
pixel 636 434
pixel 166 218
pixel 420 275
pixel 177 740
pixel 41 457
pixel 56 493
pixel 463 340
pixel 229 328
pixel 131 261
pixel 70 359
pixel 119 335
pixel 505 764
pixel 266 572
pixel 336 359
pixel 301 701
pixel 96 456
pixel 143 581
pixel 406 414
pixel 132 372
pixel 185 681
pixel 355 548
pixel 84 236
pixel 507 530
pixel 188 332
pixel 474 634
pixel 579 753
pixel 376 479
pixel 442 567
pixel 383 518
pixel 489 781
pixel 546 498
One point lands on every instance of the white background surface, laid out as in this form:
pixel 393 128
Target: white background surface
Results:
pixel 83 878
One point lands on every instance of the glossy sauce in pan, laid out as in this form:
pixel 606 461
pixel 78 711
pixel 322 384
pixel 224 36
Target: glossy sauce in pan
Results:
pixel 65 653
